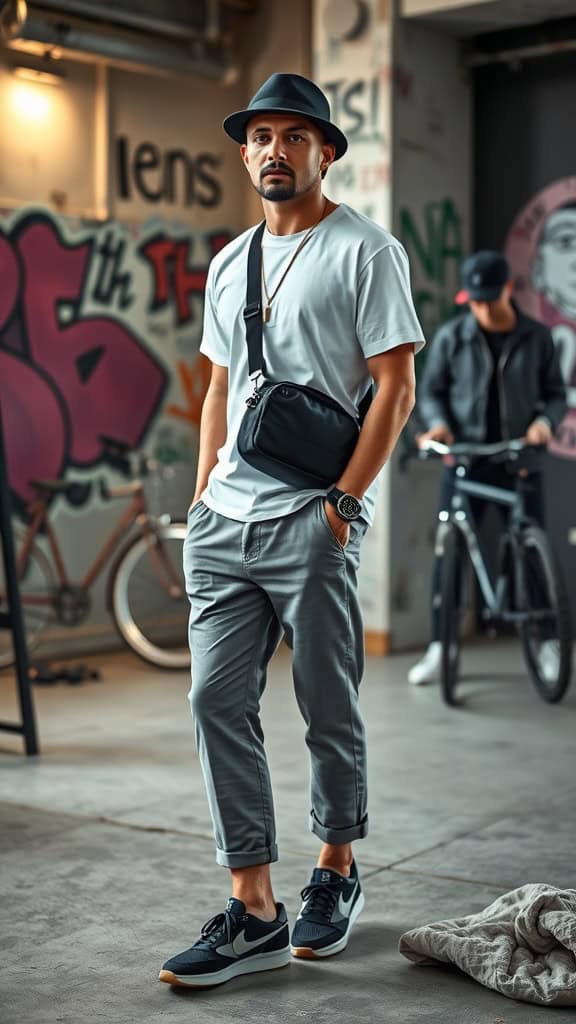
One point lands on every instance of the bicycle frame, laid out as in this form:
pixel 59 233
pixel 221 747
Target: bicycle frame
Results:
pixel 460 514
pixel 135 513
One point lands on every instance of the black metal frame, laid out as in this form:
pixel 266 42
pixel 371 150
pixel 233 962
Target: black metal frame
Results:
pixel 460 514
pixel 12 619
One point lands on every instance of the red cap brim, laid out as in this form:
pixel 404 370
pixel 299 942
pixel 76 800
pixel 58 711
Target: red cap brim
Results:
pixel 462 297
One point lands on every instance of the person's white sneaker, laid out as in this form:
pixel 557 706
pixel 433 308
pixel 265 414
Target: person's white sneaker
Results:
pixel 549 660
pixel 427 670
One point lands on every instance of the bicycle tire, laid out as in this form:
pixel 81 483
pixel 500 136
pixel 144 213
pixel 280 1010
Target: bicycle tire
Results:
pixel 156 630
pixel 538 569
pixel 38 580
pixel 451 590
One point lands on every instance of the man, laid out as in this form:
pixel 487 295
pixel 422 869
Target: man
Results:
pixel 492 374
pixel 264 559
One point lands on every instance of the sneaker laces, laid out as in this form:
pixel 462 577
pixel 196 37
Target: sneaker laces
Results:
pixel 222 925
pixel 320 898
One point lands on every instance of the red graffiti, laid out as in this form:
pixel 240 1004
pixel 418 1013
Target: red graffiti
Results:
pixel 65 379
pixel 173 279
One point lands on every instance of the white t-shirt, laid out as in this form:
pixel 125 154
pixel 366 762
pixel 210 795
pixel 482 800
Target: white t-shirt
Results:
pixel 345 298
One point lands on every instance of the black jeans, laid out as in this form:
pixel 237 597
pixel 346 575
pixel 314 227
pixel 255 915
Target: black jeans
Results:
pixel 497 476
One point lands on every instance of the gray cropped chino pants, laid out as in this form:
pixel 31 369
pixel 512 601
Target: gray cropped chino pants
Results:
pixel 249 584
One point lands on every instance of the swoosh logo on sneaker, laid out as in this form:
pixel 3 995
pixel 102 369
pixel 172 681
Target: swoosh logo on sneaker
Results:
pixel 240 946
pixel 344 906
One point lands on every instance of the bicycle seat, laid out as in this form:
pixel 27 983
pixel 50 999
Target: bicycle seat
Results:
pixel 76 492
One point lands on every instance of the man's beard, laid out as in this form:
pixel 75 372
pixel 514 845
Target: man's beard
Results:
pixel 276 193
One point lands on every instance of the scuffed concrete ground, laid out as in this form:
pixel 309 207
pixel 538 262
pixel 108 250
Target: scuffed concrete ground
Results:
pixel 107 859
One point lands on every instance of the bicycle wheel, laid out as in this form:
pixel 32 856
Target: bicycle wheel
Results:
pixel 452 610
pixel 36 583
pixel 546 635
pixel 148 597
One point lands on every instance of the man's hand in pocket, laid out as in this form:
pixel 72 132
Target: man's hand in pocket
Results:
pixel 340 529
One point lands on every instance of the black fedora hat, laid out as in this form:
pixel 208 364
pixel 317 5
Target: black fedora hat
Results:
pixel 288 94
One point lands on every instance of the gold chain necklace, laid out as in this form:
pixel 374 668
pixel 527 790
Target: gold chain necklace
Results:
pixel 301 244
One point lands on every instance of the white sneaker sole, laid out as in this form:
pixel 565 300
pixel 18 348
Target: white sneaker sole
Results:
pixel 252 964
pixel 308 953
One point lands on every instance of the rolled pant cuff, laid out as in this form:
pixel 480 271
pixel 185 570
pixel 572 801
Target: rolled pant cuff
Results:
pixel 338 836
pixel 266 855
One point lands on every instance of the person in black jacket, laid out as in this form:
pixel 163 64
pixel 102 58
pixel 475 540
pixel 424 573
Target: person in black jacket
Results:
pixel 492 373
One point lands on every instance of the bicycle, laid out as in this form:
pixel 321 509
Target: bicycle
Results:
pixel 146 593
pixel 529 589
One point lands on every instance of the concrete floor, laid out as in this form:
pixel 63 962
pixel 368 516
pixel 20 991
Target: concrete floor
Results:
pixel 107 857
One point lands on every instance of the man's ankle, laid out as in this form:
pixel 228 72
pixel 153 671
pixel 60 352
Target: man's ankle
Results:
pixel 264 911
pixel 339 858
pixel 338 866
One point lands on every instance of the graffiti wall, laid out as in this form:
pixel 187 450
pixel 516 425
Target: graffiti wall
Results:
pixel 99 335
pixel 432 233
pixel 352 64
pixel 541 248
pixel 431 169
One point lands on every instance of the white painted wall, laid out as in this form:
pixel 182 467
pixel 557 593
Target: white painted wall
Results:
pixel 46 141
pixel 355 74
pixel 175 114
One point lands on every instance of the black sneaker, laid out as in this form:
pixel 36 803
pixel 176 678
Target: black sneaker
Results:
pixel 331 905
pixel 230 944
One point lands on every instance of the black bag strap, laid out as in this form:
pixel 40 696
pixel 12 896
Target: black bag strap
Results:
pixel 253 311
pixel 253 316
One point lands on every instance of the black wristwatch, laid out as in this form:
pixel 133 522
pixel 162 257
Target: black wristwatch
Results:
pixel 347 506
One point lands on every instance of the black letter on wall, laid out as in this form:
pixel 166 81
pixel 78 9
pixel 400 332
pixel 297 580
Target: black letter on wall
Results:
pixel 213 194
pixel 146 158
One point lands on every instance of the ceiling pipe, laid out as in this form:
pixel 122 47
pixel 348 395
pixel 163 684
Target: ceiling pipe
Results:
pixel 191 53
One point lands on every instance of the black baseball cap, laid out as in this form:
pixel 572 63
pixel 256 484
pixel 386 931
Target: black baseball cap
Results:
pixel 483 276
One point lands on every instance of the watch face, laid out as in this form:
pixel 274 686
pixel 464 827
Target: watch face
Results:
pixel 348 507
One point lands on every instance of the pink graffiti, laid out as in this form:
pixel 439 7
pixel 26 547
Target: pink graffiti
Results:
pixel 34 425
pixel 9 276
pixel 71 378
pixel 526 252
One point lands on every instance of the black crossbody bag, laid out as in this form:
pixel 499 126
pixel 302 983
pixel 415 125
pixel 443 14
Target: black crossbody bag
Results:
pixel 292 432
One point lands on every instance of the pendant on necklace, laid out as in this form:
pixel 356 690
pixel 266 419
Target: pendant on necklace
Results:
pixel 266 314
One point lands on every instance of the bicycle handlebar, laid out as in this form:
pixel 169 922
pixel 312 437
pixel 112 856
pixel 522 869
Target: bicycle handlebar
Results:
pixel 481 450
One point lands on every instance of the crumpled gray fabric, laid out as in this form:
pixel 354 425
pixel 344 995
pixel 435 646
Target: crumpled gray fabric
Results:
pixel 523 945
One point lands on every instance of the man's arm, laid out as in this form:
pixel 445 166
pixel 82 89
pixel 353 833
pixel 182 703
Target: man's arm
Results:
pixel 213 427
pixel 393 372
pixel 552 384
pixel 553 392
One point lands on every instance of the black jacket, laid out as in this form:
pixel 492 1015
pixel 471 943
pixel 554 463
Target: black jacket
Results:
pixel 454 388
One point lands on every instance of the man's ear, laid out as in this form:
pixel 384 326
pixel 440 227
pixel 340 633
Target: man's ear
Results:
pixel 328 154
pixel 244 155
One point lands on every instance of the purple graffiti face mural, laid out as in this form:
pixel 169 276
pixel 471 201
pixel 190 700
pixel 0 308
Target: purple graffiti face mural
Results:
pixel 65 378
pixel 541 248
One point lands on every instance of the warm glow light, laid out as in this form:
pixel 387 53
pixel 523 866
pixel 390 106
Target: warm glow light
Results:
pixel 34 75
pixel 30 101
